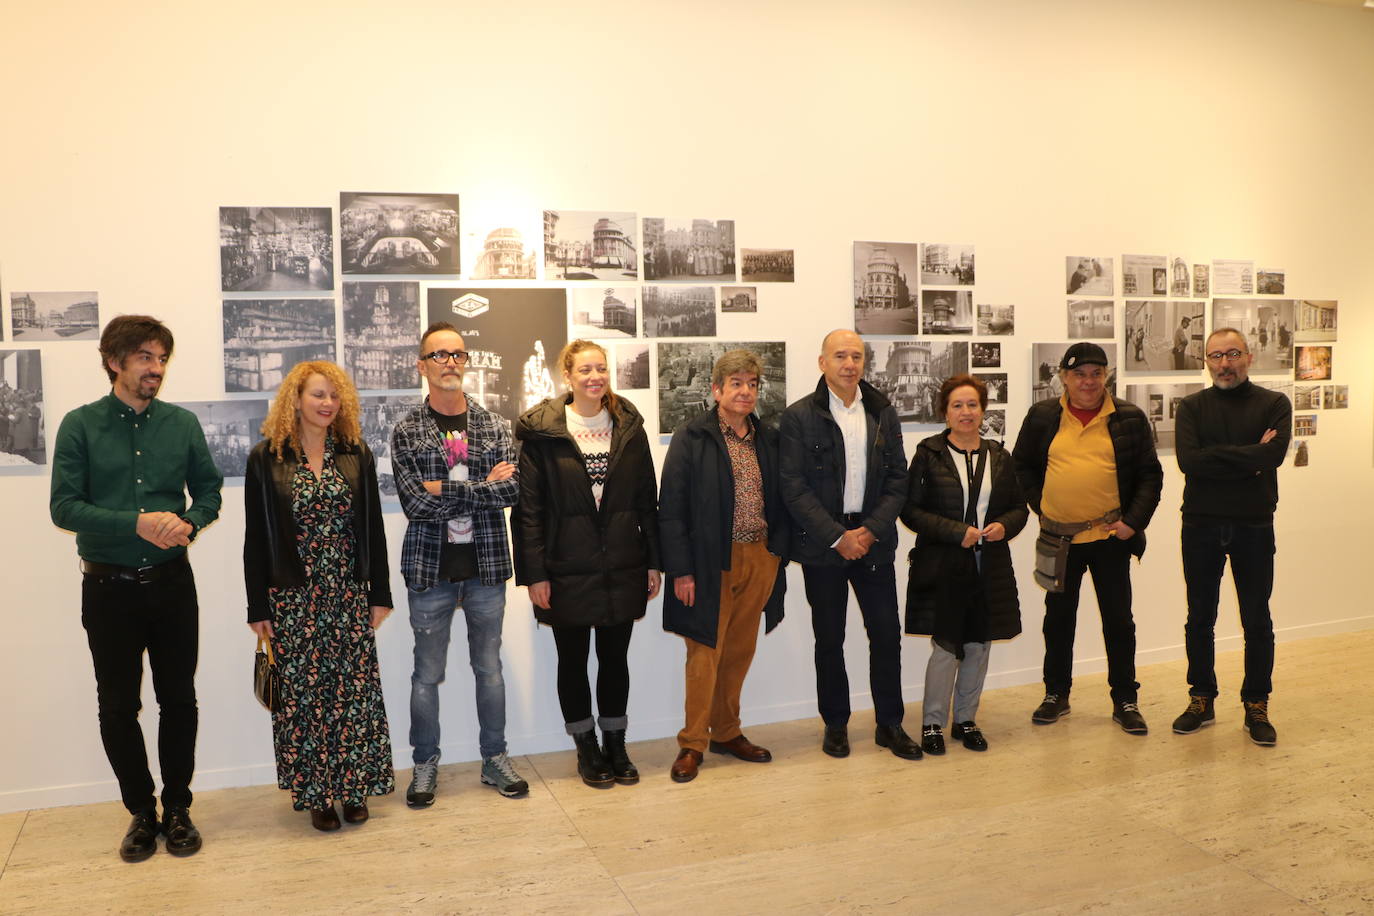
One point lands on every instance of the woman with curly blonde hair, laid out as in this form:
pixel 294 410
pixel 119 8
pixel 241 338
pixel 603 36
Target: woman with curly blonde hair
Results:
pixel 315 567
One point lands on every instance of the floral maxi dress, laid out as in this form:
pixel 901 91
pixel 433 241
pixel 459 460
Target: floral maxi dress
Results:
pixel 330 729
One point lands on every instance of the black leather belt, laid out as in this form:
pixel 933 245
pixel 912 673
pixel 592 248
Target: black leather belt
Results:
pixel 141 575
pixel 852 519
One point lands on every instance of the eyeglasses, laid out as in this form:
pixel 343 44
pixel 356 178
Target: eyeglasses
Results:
pixel 442 356
pixel 1231 355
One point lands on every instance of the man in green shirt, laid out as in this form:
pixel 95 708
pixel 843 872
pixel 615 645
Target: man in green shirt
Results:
pixel 121 470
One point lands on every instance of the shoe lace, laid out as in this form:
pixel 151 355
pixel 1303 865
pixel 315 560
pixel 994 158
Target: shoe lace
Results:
pixel 426 774
pixel 1051 698
pixel 1196 705
pixel 1130 707
pixel 504 768
pixel 1258 711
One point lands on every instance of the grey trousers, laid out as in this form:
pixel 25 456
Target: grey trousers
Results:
pixel 946 674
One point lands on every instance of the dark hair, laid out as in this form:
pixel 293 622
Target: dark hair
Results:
pixel 568 355
pixel 961 381
pixel 735 361
pixel 125 334
pixel 435 328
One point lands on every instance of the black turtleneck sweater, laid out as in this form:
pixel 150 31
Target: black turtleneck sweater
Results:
pixel 1229 475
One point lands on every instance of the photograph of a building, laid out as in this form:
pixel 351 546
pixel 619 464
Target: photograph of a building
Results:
pixel 1270 281
pixel 684 379
pixel 910 373
pixel 23 428
pixel 604 312
pixel 1267 325
pixel 1316 321
pixel 885 287
pixel 266 249
pixel 1091 318
pixel 1335 397
pixel 947 265
pixel 232 428
pixel 739 298
pixel 1144 275
pixel 689 250
pixel 590 245
pixel 500 243
pixel 767 265
pixel 1180 278
pixel 264 338
pixel 384 233
pixel 946 311
pixel 381 324
pixel 679 311
pixel 55 316
pixel 631 366
pixel 378 416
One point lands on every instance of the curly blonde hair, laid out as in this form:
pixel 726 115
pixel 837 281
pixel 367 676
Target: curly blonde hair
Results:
pixel 282 426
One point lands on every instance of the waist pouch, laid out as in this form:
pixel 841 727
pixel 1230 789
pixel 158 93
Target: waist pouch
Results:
pixel 1052 548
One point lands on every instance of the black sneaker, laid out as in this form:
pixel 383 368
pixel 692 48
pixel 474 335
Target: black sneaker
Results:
pixel 970 734
pixel 1051 709
pixel 1257 723
pixel 1128 716
pixel 932 742
pixel 1199 714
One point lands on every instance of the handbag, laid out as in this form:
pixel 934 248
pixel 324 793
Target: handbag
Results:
pixel 266 680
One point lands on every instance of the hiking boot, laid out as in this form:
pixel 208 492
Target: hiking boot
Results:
pixel 1257 723
pixel 592 764
pixel 1128 716
pixel 1051 709
pixel 1199 714
pixel 499 772
pixel 423 781
pixel 626 773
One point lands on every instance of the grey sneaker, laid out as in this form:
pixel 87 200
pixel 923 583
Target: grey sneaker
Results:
pixel 499 772
pixel 422 783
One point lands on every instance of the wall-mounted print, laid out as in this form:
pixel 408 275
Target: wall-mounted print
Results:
pixel 1270 281
pixel 398 233
pixel 1180 277
pixel 1307 397
pixel 590 245
pixel 943 264
pixel 910 373
pixel 995 320
pixel 1302 454
pixel 1233 278
pixel 264 338
pixel 1284 387
pixel 998 392
pixel 679 311
pixel 684 379
pixel 1312 363
pixel 1144 275
pixel 1202 281
pixel 232 428
pixel 1160 403
pixel 1304 424
pixel 739 299
pixel 55 316
pixel 631 366
pixel 1087 276
pixel 1091 318
pixel 985 355
pixel 1335 397
pixel 604 312
pixel 1045 357
pixel 946 311
pixel 265 249
pixel 1164 336
pixel 994 425
pixel 23 432
pixel 1267 325
pixel 1316 321
pixel 513 336
pixel 689 250
pixel 767 265
pixel 500 243
pixel 378 416
pixel 885 276
pixel 381 333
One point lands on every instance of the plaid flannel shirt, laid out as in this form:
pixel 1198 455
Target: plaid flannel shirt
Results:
pixel 417 455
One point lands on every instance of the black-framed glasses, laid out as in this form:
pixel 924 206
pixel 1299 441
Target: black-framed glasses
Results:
pixel 442 356
pixel 1232 355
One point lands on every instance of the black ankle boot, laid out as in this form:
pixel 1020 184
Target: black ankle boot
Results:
pixel 621 765
pixel 591 763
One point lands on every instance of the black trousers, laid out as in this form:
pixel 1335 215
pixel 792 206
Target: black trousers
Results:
pixel 875 588
pixel 123 620
pixel 1109 561
pixel 1250 549
pixel 612 673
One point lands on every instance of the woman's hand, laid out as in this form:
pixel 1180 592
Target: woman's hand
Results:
pixel 539 594
pixel 971 536
pixel 655 581
pixel 263 628
pixel 379 614
pixel 994 532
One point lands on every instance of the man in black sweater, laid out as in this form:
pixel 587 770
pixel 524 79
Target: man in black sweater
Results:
pixel 1230 439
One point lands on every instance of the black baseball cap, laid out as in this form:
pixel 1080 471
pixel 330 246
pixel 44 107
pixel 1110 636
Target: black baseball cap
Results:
pixel 1083 354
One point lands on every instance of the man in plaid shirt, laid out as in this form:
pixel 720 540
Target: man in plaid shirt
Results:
pixel 454 464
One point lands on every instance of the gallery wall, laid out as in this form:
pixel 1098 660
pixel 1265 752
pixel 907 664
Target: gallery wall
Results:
pixel 1216 129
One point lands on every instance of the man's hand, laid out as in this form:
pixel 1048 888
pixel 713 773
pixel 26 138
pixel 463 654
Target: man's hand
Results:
pixel 504 470
pixel 435 487
pixel 685 588
pixel 1268 436
pixel 163 529
pixel 655 583
pixel 994 532
pixel 540 592
pixel 378 614
pixel 1120 530
pixel 854 543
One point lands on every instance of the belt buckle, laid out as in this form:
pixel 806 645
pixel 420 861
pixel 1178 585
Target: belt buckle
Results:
pixel 144 575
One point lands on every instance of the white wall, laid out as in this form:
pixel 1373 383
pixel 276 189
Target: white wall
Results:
pixel 1225 128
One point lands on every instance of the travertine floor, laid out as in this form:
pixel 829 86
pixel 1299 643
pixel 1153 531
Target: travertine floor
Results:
pixel 1072 817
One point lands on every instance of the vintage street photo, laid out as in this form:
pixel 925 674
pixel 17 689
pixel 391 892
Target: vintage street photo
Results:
pixel 631 366
pixel 1270 281
pixel 1202 281
pixel 265 249
pixel 1144 275
pixel 684 379
pixel 1304 424
pixel 398 233
pixel 739 299
pixel 946 311
pixel 1316 321
pixel 381 328
pixel 996 320
pixel 590 245
pixel 378 415
pixel 885 287
pixel 1086 276
pixel 1335 397
pixel 679 311
pixel 766 265
pixel 55 316
pixel 997 386
pixel 1180 278
pixel 1268 328
pixel 23 430
pixel 994 424
pixel 1045 357
pixel 232 428
pixel 1091 318
pixel 986 355
pixel 1164 336
pixel 1160 403
pixel 500 244
pixel 1312 363
pixel 689 250
pixel 1233 278
pixel 946 265
pixel 264 338
pixel 910 373
pixel 604 312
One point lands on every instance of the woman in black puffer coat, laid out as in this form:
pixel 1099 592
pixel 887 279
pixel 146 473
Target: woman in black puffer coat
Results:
pixel 961 589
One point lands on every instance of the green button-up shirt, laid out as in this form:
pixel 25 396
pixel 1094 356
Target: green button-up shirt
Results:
pixel 110 463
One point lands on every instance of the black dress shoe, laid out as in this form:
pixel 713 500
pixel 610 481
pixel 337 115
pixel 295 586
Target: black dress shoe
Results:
pixel 141 840
pixel 324 818
pixel 971 735
pixel 355 814
pixel 183 839
pixel 836 741
pixel 897 741
pixel 932 741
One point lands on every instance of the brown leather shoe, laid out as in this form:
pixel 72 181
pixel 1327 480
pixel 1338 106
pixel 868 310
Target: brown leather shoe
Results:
pixel 742 748
pixel 355 814
pixel 686 765
pixel 324 818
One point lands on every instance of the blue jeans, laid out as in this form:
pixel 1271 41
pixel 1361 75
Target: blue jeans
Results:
pixel 431 618
pixel 1251 550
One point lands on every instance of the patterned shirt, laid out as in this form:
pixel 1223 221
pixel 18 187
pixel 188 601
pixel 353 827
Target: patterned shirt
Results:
pixel 592 436
pixel 749 523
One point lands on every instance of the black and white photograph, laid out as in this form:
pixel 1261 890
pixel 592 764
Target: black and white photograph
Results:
pixel 500 243
pixel 946 311
pixel 739 299
pixel 1284 387
pixel 1091 319
pixel 399 233
pixel 997 386
pixel 1045 357
pixel 513 335
pixel 1270 281
pixel 381 329
pixel 23 430
pixel 766 265
pixel 1085 276
pixel 55 316
pixel 679 311
pixel 1202 281
pixel 590 245
pixel 1144 275
pixel 264 338
pixel 1304 424
pixel 1302 454
pixel 684 379
pixel 689 250
pixel 994 425
pixel 885 287
pixel 631 366
pixel 1335 397
pixel 1160 403
pixel 268 249
pixel 985 355
pixel 232 428
pixel 1307 397
pixel 943 264
pixel 996 320
pixel 910 373
pixel 602 313
pixel 1180 278
pixel 1312 363
pixel 1268 328
pixel 1164 336
pixel 378 416
pixel 1316 321
pixel 1233 278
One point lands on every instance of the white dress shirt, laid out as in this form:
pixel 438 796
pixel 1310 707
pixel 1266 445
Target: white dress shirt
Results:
pixel 854 428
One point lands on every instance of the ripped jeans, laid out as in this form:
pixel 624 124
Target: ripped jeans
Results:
pixel 431 618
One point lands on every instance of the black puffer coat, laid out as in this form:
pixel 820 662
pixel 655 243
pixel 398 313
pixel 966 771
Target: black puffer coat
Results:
pixel 596 561
pixel 935 511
